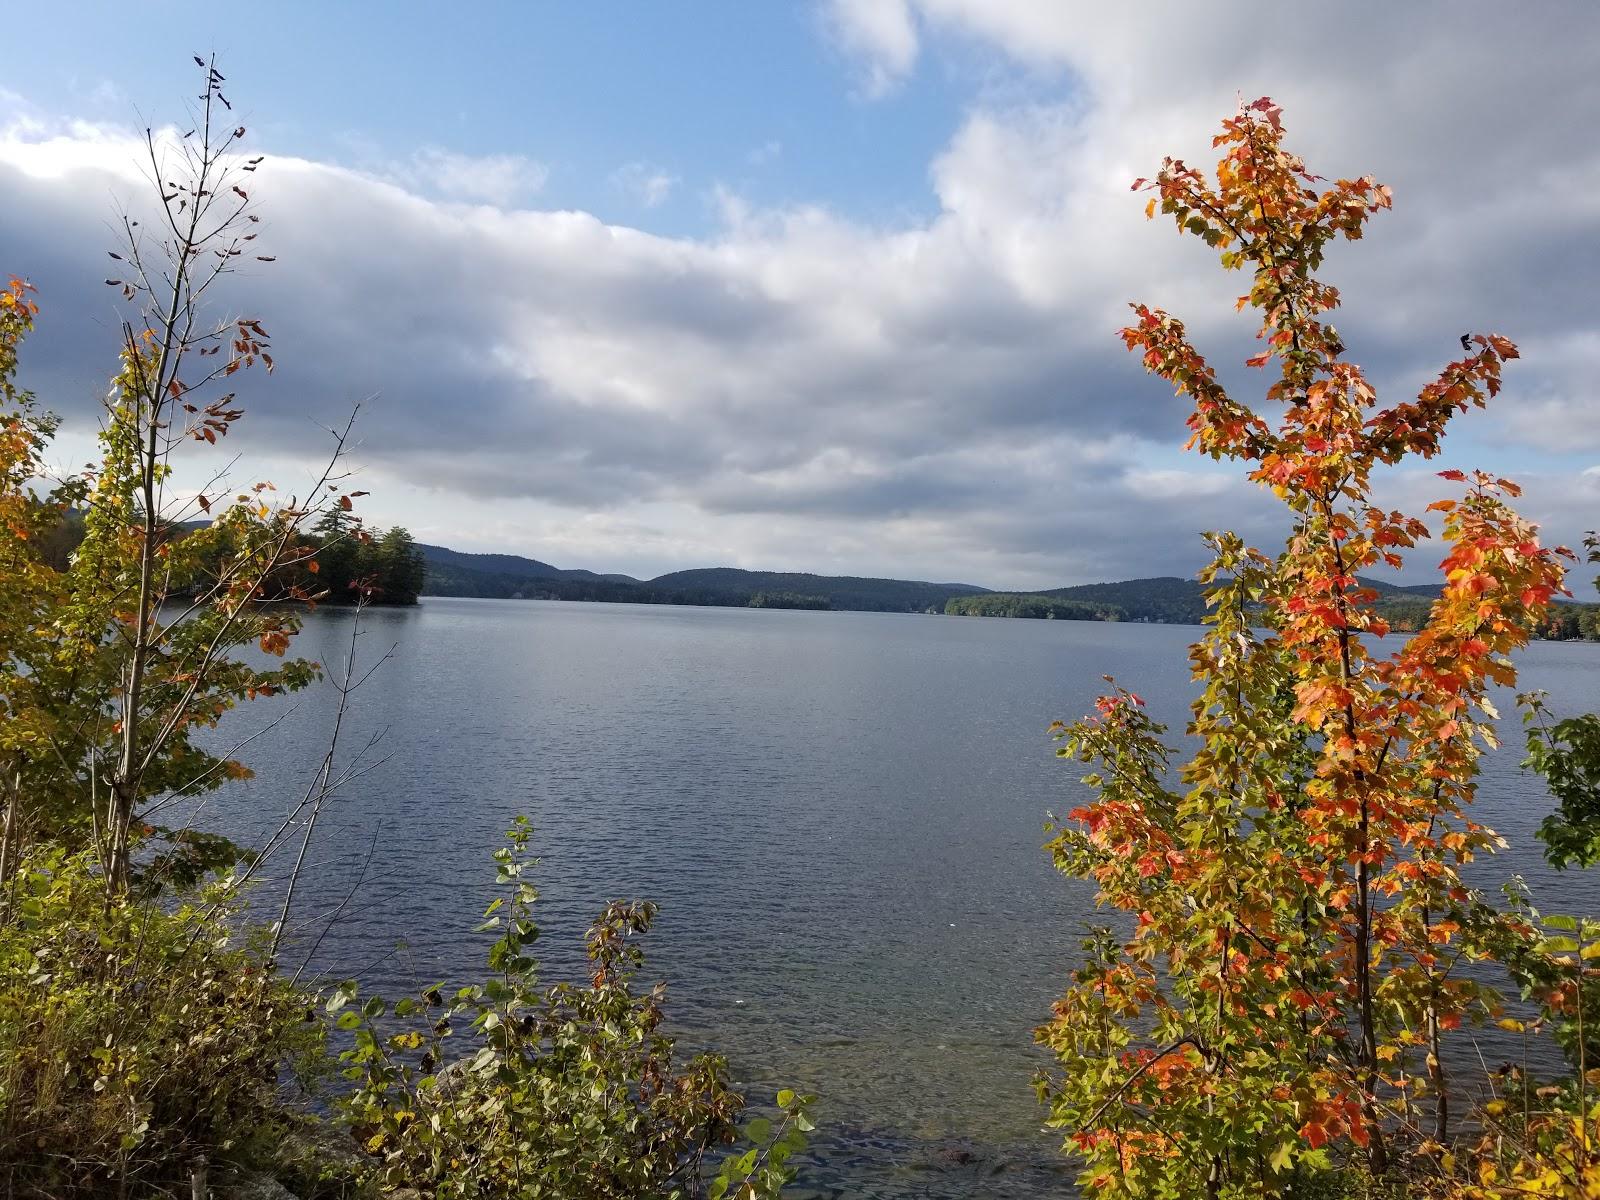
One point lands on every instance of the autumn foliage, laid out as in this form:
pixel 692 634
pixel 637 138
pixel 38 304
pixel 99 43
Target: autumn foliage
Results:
pixel 1277 1001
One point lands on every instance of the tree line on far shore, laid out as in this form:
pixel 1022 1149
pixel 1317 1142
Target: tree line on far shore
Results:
pixel 338 561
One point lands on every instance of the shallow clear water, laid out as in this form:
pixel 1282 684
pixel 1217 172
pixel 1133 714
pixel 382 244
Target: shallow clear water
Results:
pixel 840 815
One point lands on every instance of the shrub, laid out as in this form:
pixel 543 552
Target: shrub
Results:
pixel 565 1091
pixel 137 1040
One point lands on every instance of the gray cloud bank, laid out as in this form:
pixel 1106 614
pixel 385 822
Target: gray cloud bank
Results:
pixel 797 389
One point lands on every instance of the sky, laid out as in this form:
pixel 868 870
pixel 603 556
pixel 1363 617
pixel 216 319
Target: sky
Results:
pixel 820 286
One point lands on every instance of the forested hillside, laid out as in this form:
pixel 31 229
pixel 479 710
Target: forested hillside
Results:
pixel 842 591
pixel 1165 599
pixel 453 573
pixel 1013 604
pixel 1159 600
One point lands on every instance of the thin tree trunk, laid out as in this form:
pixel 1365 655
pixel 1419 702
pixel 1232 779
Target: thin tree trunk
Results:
pixel 1377 1156
pixel 1436 1079
pixel 154 376
pixel 125 786
pixel 10 850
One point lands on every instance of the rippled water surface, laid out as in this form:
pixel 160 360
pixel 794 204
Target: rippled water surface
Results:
pixel 840 815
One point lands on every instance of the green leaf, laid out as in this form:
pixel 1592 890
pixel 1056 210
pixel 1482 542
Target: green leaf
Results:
pixel 342 995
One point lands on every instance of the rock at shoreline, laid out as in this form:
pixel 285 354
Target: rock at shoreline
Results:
pixel 254 1185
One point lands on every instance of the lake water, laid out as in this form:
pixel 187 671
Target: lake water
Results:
pixel 840 815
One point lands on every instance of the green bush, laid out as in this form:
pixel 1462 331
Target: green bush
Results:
pixel 137 1039
pixel 562 1091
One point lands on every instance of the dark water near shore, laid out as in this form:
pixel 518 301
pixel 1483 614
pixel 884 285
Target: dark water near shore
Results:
pixel 840 815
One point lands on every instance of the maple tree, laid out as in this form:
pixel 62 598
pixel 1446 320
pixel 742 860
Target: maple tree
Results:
pixel 109 666
pixel 27 586
pixel 142 1023
pixel 1278 1001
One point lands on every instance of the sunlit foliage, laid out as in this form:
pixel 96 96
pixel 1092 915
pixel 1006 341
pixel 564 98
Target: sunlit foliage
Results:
pixel 1291 960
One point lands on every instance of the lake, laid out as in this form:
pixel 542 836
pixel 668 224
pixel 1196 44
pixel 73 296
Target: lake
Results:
pixel 840 815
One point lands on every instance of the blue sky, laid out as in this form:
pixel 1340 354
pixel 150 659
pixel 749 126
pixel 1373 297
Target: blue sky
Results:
pixel 825 286
pixel 752 96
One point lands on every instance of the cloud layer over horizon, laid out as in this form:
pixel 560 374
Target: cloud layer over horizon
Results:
pixel 800 388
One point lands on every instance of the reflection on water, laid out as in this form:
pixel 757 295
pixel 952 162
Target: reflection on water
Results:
pixel 840 815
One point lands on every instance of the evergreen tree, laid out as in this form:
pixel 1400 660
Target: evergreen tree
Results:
pixel 397 567
pixel 338 555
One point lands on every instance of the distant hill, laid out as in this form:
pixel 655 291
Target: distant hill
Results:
pixel 1168 599
pixel 512 566
pixel 842 591
pixel 1423 591
pixel 1165 599
pixel 455 573
pixel 1161 599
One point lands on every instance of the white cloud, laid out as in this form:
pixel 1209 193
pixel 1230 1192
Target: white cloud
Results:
pixel 644 183
pixel 504 180
pixel 882 34
pixel 1168 484
pixel 1563 416
pixel 938 398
